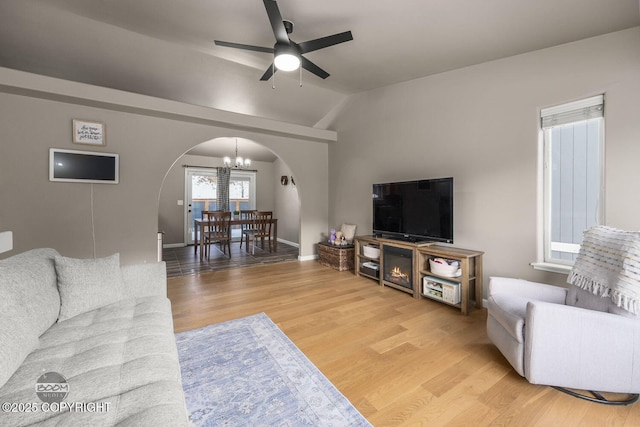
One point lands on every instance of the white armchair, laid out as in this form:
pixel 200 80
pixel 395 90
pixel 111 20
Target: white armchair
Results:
pixel 566 338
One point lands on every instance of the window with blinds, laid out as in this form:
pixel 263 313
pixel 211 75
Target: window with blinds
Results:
pixel 573 175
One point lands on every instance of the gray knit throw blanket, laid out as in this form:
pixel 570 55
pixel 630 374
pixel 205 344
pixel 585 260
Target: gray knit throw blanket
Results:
pixel 609 265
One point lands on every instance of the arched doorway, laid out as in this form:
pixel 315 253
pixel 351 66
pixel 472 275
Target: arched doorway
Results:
pixel 270 193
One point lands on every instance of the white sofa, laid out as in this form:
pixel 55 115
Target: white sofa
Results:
pixel 107 330
pixel 564 337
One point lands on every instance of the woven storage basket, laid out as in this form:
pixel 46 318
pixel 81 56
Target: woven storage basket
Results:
pixel 336 257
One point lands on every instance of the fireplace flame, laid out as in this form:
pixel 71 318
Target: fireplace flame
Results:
pixel 398 274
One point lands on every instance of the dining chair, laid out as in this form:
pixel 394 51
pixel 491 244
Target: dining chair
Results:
pixel 204 216
pixel 246 214
pixel 261 229
pixel 218 229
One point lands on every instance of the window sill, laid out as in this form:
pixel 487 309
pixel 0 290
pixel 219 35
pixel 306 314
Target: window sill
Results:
pixel 553 268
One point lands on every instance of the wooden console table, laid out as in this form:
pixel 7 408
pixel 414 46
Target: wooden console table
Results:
pixel 361 241
pixel 469 283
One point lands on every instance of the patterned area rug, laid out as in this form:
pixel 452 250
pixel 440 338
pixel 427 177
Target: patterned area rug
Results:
pixel 246 372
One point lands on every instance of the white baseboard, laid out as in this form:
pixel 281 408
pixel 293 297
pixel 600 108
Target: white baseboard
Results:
pixel 173 245
pixel 286 242
pixel 307 258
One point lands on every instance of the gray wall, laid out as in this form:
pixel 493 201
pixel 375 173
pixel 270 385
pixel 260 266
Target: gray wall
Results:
pixel 287 204
pixel 481 125
pixel 150 135
pixel 478 124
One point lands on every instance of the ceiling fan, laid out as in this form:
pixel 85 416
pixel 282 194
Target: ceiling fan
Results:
pixel 287 53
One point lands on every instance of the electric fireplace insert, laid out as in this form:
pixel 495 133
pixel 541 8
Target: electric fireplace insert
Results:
pixel 398 266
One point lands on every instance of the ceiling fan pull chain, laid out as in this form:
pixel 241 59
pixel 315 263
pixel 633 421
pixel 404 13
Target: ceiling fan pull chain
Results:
pixel 273 73
pixel 300 76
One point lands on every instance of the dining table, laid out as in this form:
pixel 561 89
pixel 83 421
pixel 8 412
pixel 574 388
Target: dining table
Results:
pixel 199 224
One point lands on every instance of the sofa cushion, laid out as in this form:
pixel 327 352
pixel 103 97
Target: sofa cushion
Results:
pixel 87 284
pixel 123 354
pixel 581 298
pixel 29 305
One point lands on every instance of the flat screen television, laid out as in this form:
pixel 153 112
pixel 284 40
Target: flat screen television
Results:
pixel 83 166
pixel 414 210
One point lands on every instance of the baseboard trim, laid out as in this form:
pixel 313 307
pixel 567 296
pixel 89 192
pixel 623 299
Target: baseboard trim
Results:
pixel 286 242
pixel 173 245
pixel 308 257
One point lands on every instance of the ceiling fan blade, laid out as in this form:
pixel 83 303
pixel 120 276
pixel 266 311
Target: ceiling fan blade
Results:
pixel 313 68
pixel 311 45
pixel 244 46
pixel 279 31
pixel 267 74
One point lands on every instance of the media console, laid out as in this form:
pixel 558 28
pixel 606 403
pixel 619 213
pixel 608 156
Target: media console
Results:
pixel 405 266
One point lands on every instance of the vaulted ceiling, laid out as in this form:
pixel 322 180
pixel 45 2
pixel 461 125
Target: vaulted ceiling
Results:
pixel 165 48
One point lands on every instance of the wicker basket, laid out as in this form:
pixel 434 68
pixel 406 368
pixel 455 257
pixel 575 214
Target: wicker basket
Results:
pixel 337 257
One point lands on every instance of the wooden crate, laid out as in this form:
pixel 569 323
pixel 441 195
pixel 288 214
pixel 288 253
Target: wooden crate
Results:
pixel 337 257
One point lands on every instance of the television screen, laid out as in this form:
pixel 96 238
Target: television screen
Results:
pixel 83 166
pixel 414 210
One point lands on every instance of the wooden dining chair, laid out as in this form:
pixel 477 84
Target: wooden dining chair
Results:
pixel 204 216
pixel 247 214
pixel 218 229
pixel 261 229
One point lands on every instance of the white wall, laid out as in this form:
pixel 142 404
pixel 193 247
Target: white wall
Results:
pixel 480 125
pixel 150 135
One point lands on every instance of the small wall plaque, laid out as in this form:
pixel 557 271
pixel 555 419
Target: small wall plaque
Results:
pixel 89 133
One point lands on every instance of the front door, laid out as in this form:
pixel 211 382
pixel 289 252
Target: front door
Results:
pixel 201 195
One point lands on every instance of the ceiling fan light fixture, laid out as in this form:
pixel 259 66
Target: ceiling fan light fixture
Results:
pixel 286 58
pixel 287 54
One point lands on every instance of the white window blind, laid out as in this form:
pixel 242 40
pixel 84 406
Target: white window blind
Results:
pixel 572 112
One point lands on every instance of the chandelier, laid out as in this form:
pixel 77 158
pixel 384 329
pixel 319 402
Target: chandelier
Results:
pixel 239 163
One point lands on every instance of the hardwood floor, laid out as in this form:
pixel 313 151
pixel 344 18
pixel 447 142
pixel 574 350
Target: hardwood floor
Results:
pixel 400 361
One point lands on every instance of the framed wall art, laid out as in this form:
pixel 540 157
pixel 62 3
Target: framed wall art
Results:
pixel 89 133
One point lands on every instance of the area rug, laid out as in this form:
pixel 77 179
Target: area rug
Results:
pixel 246 372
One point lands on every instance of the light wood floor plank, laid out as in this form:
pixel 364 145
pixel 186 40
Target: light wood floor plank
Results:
pixel 400 361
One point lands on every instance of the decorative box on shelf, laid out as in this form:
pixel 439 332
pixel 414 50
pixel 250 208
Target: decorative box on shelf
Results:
pixel 339 257
pixel 440 289
pixel 371 269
